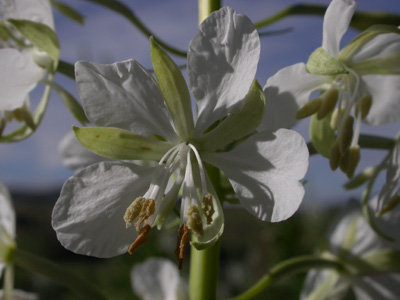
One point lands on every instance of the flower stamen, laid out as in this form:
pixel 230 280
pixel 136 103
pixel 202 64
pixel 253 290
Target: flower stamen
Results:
pixel 183 238
pixel 141 239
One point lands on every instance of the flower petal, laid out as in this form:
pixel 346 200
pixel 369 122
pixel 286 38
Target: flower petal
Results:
pixel 265 171
pixel 222 63
pixel 123 95
pixel 75 156
pixel 18 77
pixel 7 213
pixel 88 216
pixel 157 279
pixel 385 98
pixel 323 285
pixel 381 46
pixel 378 286
pixel 336 21
pixel 33 10
pixel 287 91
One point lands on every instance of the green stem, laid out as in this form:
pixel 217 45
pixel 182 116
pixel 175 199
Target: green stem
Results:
pixel 288 268
pixel 125 11
pixel 206 7
pixel 366 141
pixel 56 273
pixel 8 282
pixel 204 272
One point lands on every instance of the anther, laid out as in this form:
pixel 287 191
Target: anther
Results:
pixel 391 204
pixel 335 118
pixel 309 108
pixel 194 220
pixel 148 208
pixel 183 238
pixel 346 134
pixel 364 105
pixel 141 239
pixel 354 156
pixel 335 156
pixel 208 208
pixel 133 211
pixel 329 100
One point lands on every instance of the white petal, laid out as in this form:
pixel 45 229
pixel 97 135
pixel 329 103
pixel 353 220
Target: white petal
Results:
pixel 287 91
pixel 21 295
pixel 379 47
pixel 333 288
pixel 222 62
pixel 7 213
pixel 33 10
pixel 378 286
pixel 336 21
pixel 123 95
pixel 88 216
pixel 385 98
pixel 157 279
pixel 265 171
pixel 19 75
pixel 74 155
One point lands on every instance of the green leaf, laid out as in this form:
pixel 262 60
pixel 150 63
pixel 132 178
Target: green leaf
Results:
pixel 68 11
pixel 25 131
pixel 360 40
pixel 120 144
pixel 321 134
pixel 237 125
pixel 40 35
pixel 174 89
pixel 5 34
pixel 69 101
pixel 321 62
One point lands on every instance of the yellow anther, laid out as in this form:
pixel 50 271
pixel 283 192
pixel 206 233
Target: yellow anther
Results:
pixel 346 134
pixel 133 211
pixel 335 118
pixel 335 156
pixel 208 208
pixel 309 108
pixel 194 220
pixel 364 104
pixel 148 208
pixel 329 100
pixel 354 156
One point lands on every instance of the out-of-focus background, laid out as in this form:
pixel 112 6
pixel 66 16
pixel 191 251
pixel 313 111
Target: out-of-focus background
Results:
pixel 34 172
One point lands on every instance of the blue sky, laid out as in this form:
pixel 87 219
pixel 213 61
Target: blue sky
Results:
pixel 35 164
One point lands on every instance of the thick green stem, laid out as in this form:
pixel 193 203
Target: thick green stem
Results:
pixel 59 274
pixel 206 7
pixel 204 273
pixel 288 268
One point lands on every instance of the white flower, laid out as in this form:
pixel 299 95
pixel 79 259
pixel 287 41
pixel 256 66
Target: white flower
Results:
pixel 144 120
pixel 389 196
pixel 20 71
pixel 353 241
pixel 7 227
pixel 361 81
pixel 158 279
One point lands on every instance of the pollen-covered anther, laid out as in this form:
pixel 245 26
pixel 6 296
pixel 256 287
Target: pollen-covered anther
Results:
pixel 194 221
pixel 148 208
pixel 208 208
pixel 141 239
pixel 363 106
pixel 346 134
pixel 309 108
pixel 133 211
pixel 183 239
pixel 329 100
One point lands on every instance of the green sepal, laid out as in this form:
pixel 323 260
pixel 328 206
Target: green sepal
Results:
pixel 321 62
pixel 40 35
pixel 69 101
pixel 174 89
pixel 360 40
pixel 237 125
pixel 321 134
pixel 384 260
pixel 68 11
pixel 26 131
pixel 360 179
pixel 121 144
